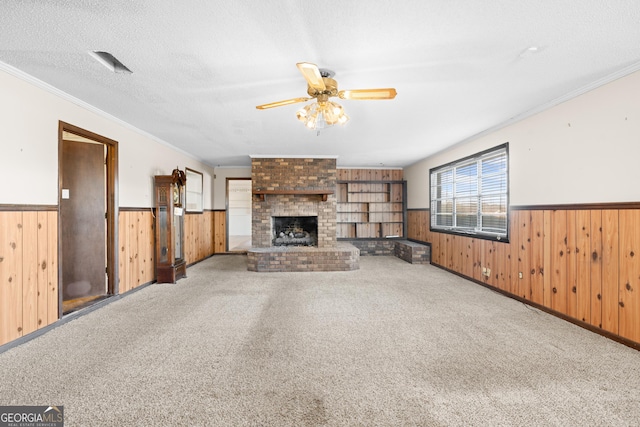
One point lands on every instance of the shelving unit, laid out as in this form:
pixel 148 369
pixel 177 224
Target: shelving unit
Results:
pixel 370 209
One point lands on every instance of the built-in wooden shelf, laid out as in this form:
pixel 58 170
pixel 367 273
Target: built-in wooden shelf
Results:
pixel 370 209
pixel 324 193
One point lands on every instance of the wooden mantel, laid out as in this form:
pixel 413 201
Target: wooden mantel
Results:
pixel 324 193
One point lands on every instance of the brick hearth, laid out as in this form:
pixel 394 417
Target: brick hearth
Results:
pixel 342 257
pixel 297 175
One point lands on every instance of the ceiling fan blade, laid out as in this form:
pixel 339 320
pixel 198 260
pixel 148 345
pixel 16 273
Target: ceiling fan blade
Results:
pixel 281 103
pixel 312 75
pixel 386 93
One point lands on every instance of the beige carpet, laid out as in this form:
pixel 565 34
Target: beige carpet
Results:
pixel 392 344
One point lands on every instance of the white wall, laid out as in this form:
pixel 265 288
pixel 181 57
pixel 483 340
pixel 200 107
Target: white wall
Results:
pixel 586 150
pixel 220 183
pixel 29 117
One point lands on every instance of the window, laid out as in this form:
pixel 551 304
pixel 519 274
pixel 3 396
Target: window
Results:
pixel 194 190
pixel 471 195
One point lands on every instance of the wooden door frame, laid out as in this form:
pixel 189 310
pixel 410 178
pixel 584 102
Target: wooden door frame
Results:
pixel 112 206
pixel 226 207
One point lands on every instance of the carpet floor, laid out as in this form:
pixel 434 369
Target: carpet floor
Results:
pixel 392 344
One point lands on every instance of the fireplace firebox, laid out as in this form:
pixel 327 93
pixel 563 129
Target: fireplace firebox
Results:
pixel 294 230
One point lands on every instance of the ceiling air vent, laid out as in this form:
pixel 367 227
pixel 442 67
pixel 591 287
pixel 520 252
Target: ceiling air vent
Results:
pixel 110 61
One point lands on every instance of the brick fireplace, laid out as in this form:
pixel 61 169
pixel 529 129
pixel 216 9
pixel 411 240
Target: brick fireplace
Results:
pixel 290 188
pixel 294 230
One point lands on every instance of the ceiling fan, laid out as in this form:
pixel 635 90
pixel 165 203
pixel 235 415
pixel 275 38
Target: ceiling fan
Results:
pixel 322 86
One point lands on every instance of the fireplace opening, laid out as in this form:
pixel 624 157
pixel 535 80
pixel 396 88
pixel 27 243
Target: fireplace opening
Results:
pixel 294 230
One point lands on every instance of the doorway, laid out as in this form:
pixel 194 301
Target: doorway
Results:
pixel 87 218
pixel 238 214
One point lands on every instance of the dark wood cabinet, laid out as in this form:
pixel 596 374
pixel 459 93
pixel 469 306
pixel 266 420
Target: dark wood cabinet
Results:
pixel 169 223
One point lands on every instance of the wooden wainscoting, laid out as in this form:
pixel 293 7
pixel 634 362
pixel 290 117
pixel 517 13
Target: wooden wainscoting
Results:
pixel 137 250
pixel 29 259
pixel 582 262
pixel 28 271
pixel 219 231
pixel 205 235
pixel 136 264
pixel 198 230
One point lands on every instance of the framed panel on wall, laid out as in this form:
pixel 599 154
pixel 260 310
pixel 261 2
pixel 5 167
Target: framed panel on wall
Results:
pixel 194 190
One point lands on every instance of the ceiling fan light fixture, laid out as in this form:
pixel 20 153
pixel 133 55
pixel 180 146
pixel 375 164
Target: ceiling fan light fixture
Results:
pixel 303 114
pixel 364 94
pixel 322 87
pixel 312 122
pixel 281 103
pixel 331 112
pixel 312 75
pixel 308 113
pixel 319 115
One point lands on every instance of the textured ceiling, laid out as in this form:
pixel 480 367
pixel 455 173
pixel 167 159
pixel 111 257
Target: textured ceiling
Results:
pixel 201 66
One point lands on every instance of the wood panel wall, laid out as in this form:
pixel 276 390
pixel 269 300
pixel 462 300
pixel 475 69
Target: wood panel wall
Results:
pixel 29 260
pixel 369 174
pixel 137 250
pixel 28 272
pixel 579 263
pixel 136 245
pixel 219 231
pixel 199 236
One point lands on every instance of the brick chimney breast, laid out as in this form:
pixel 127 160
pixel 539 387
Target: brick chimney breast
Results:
pixel 297 175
